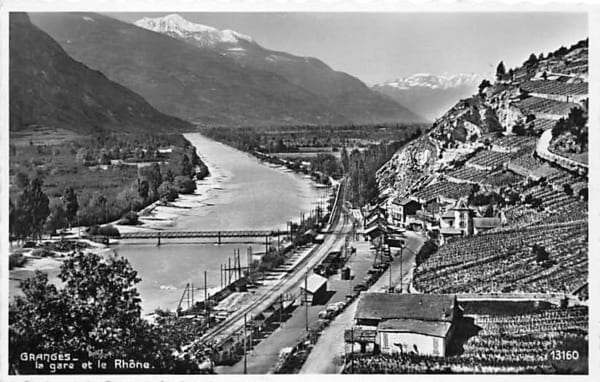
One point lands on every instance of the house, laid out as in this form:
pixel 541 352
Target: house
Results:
pixel 458 220
pixel 400 209
pixel 316 290
pixel 374 231
pixel 422 220
pixel 485 224
pixel 403 323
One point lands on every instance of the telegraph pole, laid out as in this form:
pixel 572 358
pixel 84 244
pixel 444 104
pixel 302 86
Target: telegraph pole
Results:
pixel 245 348
pixel 192 291
pixel 401 274
pixel 306 299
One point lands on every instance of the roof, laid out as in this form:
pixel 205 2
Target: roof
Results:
pixel 407 325
pixel 386 306
pixel 450 231
pixel 314 283
pixel 374 218
pixel 395 228
pixel 486 222
pixel 373 229
pixel 404 201
pixel 448 215
pixel 461 205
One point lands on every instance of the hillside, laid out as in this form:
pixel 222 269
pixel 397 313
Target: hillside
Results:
pixel 513 160
pixel 427 94
pixel 341 92
pixel 50 89
pixel 198 85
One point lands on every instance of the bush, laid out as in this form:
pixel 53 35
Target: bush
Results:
pixel 41 252
pixel 167 192
pixel 184 184
pixel 107 230
pixel 130 218
pixel 16 260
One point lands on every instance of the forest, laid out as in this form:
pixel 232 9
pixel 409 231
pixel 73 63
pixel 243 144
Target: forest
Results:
pixel 363 149
pixel 96 180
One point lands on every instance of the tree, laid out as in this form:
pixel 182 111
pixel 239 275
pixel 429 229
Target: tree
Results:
pixel 152 174
pixel 143 188
pixel 500 71
pixel 57 218
pixel 97 313
pixel 169 176
pixel 71 204
pixel 519 128
pixel 577 117
pixel 33 208
pixel 345 160
pixel 186 167
pixel 484 84
pixel 531 61
pixel 184 184
pixel 167 192
pixel 21 180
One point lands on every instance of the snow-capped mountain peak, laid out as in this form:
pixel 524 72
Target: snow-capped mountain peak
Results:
pixel 177 26
pixel 426 80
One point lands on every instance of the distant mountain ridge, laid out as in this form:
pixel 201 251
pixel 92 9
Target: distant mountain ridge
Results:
pixel 178 27
pixel 427 94
pixel 339 91
pixel 50 89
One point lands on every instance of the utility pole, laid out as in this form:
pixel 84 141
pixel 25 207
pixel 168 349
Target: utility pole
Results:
pixel 352 351
pixel 245 348
pixel 306 299
pixel 280 307
pixel 206 298
pixel 401 274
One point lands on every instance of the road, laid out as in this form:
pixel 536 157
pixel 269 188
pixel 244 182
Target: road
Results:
pixel 326 356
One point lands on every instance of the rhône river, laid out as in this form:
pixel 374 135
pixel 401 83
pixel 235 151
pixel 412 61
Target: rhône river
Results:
pixel 240 194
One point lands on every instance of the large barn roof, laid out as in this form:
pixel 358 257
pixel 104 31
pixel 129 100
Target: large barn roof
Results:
pixel 386 306
pixel 407 325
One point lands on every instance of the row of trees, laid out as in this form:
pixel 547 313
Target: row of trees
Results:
pixel 361 167
pixel 34 213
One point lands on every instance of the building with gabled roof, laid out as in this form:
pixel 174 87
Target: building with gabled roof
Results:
pixel 457 220
pixel 419 323
pixel 316 289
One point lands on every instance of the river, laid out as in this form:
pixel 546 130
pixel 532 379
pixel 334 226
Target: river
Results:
pixel 241 193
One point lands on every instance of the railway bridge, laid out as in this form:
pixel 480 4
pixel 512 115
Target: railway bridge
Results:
pixel 219 235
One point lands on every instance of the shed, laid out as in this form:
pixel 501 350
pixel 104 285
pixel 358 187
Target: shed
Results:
pixel 316 289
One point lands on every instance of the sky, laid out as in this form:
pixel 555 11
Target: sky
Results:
pixel 377 47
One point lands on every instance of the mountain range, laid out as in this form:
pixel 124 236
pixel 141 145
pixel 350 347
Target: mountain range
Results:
pixel 207 76
pixel 49 89
pixel 430 95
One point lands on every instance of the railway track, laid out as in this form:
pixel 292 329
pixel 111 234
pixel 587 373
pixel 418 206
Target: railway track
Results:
pixel 223 330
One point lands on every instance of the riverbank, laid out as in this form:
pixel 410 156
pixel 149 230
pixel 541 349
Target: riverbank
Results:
pixel 241 193
pixel 49 264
